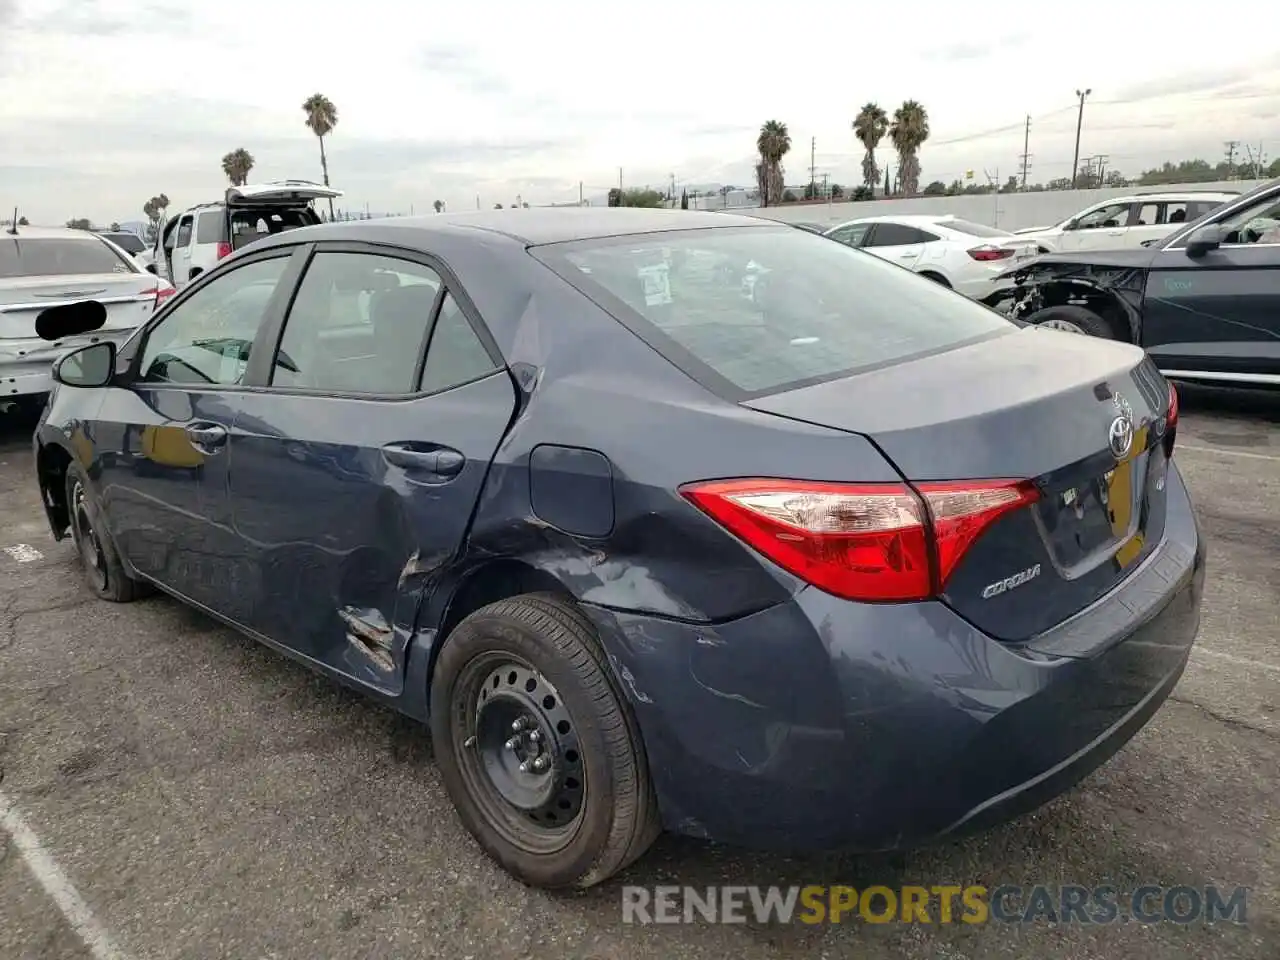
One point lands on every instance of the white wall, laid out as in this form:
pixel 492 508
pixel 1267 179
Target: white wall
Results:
pixel 1009 211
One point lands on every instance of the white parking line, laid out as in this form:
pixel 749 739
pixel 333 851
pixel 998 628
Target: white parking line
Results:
pixel 1229 453
pixel 56 884
pixel 1239 661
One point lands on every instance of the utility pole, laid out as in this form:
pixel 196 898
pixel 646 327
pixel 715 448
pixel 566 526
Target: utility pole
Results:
pixel 1101 161
pixel 1026 156
pixel 580 193
pixel 826 189
pixel 671 194
pixel 619 179
pixel 1257 162
pixel 813 168
pixel 1075 163
pixel 1231 157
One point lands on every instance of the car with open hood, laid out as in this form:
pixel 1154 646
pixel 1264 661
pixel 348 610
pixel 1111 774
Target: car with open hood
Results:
pixel 1204 302
pixel 197 238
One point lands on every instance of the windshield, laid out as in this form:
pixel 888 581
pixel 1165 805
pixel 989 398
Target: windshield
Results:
pixel 974 229
pixel 759 310
pixel 57 258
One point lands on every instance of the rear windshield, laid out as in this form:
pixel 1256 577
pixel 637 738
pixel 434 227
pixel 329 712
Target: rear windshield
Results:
pixel 749 311
pixel 211 227
pixel 973 229
pixel 128 242
pixel 58 258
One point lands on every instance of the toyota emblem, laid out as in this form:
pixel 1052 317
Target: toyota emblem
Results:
pixel 1120 436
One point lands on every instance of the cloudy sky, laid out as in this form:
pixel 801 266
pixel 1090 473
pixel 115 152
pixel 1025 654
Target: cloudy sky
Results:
pixel 103 104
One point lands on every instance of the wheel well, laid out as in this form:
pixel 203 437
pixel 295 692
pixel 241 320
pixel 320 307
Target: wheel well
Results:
pixel 498 580
pixel 51 469
pixel 1102 302
pixel 935 277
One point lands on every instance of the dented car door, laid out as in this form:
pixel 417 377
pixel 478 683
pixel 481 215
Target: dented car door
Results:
pixel 355 473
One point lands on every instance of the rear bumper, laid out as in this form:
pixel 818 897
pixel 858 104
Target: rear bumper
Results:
pixel 26 366
pixel 980 287
pixel 823 724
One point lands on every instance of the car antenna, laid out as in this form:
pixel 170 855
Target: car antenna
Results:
pixel 13 227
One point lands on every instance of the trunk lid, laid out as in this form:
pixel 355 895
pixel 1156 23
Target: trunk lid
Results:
pixel 129 299
pixel 1035 405
pixel 284 192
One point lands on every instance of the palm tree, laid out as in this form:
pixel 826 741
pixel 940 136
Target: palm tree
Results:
pixel 439 205
pixel 909 131
pixel 236 165
pixel 772 144
pixel 322 117
pixel 870 126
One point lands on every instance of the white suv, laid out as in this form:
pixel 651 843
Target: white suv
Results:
pixel 1132 221
pixel 197 238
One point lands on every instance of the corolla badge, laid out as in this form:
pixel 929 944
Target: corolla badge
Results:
pixel 1120 433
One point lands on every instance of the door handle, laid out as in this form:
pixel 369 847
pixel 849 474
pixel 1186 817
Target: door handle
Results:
pixel 906 256
pixel 207 435
pixel 441 462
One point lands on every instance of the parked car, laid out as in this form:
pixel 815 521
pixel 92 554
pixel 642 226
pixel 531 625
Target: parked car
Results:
pixel 1204 302
pixel 41 267
pixel 646 553
pixel 1123 222
pixel 130 243
pixel 197 238
pixel 953 252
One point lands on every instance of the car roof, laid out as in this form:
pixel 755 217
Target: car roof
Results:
pixel 47 233
pixel 530 227
pixel 914 219
pixel 1171 195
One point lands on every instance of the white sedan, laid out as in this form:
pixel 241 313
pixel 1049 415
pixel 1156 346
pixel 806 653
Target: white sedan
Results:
pixel 956 253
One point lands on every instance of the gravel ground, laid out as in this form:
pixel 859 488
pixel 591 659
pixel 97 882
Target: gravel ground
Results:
pixel 205 797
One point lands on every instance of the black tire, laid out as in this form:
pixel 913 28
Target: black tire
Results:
pixel 936 278
pixel 99 562
pixel 1094 324
pixel 596 763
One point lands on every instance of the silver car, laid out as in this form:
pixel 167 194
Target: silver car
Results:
pixel 41 267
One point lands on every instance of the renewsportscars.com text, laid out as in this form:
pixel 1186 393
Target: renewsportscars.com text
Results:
pixel 939 904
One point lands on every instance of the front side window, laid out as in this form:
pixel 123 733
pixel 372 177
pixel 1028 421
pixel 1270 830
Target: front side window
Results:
pixel 1259 222
pixel 357 325
pixel 851 233
pixel 1112 215
pixel 49 257
pixel 758 310
pixel 206 339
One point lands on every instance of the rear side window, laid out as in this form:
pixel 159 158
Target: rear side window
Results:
pixel 58 258
pixel 749 311
pixel 211 227
pixel 974 229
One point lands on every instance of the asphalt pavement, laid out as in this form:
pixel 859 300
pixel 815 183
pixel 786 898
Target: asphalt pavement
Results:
pixel 169 788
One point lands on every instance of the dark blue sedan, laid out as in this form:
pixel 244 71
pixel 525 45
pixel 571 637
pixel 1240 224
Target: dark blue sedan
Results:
pixel 659 519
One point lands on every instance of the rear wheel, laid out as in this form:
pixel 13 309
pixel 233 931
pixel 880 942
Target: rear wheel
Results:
pixel 99 562
pixel 1073 319
pixel 537 748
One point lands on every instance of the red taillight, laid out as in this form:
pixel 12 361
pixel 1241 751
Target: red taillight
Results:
pixel 1171 421
pixel 163 292
pixel 871 542
pixel 224 250
pixel 987 252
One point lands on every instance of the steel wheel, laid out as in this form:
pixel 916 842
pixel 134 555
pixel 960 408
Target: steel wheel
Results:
pixel 92 556
pixel 521 756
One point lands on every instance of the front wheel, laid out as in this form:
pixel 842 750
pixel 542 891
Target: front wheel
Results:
pixel 1073 319
pixel 537 748
pixel 99 562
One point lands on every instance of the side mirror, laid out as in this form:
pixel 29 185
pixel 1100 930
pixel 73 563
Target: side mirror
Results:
pixel 70 319
pixel 90 366
pixel 151 268
pixel 1209 237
